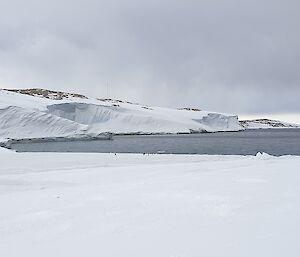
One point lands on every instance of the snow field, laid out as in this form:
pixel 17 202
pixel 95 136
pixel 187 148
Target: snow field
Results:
pixel 62 205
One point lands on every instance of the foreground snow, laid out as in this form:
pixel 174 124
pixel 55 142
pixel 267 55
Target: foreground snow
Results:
pixel 68 205
pixel 57 114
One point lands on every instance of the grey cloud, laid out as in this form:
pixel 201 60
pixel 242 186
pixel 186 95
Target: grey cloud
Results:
pixel 230 56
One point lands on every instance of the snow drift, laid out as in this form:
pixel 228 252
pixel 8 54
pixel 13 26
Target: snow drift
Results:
pixel 35 113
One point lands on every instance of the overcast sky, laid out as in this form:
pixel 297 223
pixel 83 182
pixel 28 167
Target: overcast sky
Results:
pixel 230 56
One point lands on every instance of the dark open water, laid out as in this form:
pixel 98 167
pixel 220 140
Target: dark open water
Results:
pixel 274 142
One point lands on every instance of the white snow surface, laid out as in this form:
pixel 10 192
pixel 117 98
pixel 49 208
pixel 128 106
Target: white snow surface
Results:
pixel 74 205
pixel 26 116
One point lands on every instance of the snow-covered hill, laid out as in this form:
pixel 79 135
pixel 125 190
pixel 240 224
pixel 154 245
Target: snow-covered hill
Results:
pixel 266 124
pixel 36 113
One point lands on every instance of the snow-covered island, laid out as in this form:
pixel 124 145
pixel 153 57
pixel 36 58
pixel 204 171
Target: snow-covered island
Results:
pixel 46 114
pixel 40 113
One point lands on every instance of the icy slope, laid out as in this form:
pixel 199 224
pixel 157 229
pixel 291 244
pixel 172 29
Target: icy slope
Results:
pixel 21 121
pixel 35 113
pixel 266 124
